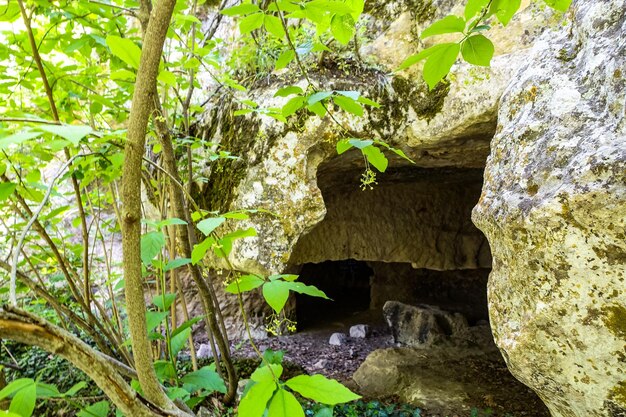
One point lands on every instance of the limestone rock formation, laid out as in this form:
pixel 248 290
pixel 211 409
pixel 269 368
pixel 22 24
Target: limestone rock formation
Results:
pixel 554 210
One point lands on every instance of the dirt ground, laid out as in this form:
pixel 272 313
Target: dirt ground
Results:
pixel 309 349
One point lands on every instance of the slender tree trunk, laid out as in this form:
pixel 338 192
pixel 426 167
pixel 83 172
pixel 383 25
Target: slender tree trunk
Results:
pixel 142 105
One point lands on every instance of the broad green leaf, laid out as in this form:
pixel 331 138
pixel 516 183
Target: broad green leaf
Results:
pixel 319 96
pixel 254 402
pixel 289 90
pixel 207 226
pixel 251 22
pixel 176 263
pixel 376 157
pixel 324 412
pixel 284 277
pixel 317 108
pixel 167 78
pixel 270 372
pixel 560 5
pixel 17 138
pixel 505 9
pixel 151 245
pixel 72 133
pixel 178 342
pixel 343 145
pixel 164 370
pixel 438 64
pixel 171 222
pixel 200 249
pixel 124 49
pixel 413 59
pixel 449 24
pixel 354 95
pixel 477 50
pixel 205 378
pixel 311 290
pixel 47 391
pixel 74 389
pixel 123 75
pixel 99 409
pixel 154 318
pixel 360 143
pixel 241 9
pixel 284 59
pixel 187 324
pixel 7 413
pixel 284 404
pixel 244 283
pixel 368 102
pixel 237 215
pixel 293 105
pixel 274 26
pixel 349 105
pixel 276 294
pixel 321 389
pixel 15 386
pixel 342 28
pixel 164 301
pixel 6 189
pixel 23 402
pixel 473 7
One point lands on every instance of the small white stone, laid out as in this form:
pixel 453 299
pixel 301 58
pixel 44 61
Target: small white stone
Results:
pixel 360 331
pixel 337 339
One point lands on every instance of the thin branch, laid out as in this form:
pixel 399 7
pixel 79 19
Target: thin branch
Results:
pixel 28 120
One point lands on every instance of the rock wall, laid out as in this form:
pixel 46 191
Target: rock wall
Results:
pixel 554 210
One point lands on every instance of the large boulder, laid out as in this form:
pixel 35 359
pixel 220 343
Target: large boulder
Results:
pixel 553 207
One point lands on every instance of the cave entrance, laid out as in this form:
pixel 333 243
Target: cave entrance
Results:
pixel 346 282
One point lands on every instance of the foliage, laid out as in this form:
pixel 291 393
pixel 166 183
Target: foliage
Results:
pixel 69 72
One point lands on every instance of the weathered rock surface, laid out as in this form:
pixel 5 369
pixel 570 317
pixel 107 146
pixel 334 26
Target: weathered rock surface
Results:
pixel 425 326
pixel 360 331
pixel 447 381
pixel 554 210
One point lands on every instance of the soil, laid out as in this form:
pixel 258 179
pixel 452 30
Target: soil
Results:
pixel 309 351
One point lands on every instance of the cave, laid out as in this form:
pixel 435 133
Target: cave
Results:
pixel 408 238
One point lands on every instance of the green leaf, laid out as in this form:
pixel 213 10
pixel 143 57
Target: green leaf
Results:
pixel 317 108
pixel 167 78
pixel 99 409
pixel 284 59
pixel 205 378
pixel 15 386
pixel 438 64
pixel 200 249
pixel 241 9
pixel 473 7
pixel 376 157
pixel 269 372
pixel 349 105
pixel 360 144
pixel 274 26
pixel 319 96
pixel 178 342
pixel 151 245
pixel 289 90
pixel 449 24
pixel 47 391
pixel 176 263
pixel 414 59
pixel 324 412
pixel 276 294
pixel 293 105
pixel 477 50
pixel 560 5
pixel 72 133
pixel 244 283
pixel 6 189
pixel 154 318
pixel 187 324
pixel 207 226
pixel 254 402
pixel 17 138
pixel 368 102
pixel 342 28
pixel 124 49
pixel 284 404
pixel 164 301
pixel 164 370
pixel 505 9
pixel 310 290
pixel 321 389
pixel 343 145
pixel 251 22
pixel 171 222
pixel 23 402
